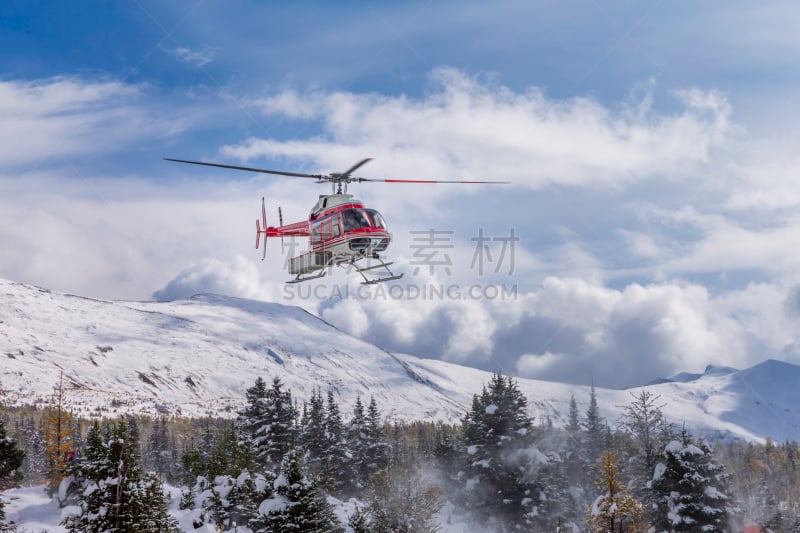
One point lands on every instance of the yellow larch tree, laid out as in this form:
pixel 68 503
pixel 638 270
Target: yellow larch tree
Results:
pixel 616 510
pixel 58 430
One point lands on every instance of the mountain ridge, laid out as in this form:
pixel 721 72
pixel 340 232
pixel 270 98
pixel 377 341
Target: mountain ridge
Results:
pixel 196 357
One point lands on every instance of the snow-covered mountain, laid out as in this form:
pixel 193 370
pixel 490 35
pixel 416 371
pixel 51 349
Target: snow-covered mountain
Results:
pixel 197 357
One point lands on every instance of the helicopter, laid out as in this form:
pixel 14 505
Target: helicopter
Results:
pixel 342 231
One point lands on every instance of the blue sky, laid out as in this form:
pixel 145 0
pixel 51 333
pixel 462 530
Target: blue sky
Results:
pixel 651 148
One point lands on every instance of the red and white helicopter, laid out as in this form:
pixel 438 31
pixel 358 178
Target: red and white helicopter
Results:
pixel 342 231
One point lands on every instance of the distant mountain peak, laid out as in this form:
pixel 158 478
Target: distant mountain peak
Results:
pixel 688 377
pixel 718 370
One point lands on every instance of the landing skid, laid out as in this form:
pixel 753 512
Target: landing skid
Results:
pixel 299 279
pixel 368 281
pixel 361 270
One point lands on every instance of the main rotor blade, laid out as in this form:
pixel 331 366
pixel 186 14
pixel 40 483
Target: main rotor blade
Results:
pixel 249 169
pixel 356 166
pixel 432 181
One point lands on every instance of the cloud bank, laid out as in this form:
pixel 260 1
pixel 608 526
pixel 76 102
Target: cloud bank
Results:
pixel 469 127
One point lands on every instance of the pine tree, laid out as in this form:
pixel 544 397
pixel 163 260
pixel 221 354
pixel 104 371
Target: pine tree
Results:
pixel 11 459
pixel 576 464
pixel 771 517
pixel 191 464
pixel 151 514
pixel 690 489
pixel 159 451
pixel 615 510
pixel 297 506
pixel 555 502
pixel 334 475
pixel 312 432
pixel 358 521
pixel 497 435
pixel 113 494
pixel 377 448
pixel 401 501
pixel 596 430
pixel 268 421
pixel 358 444
pixel 34 466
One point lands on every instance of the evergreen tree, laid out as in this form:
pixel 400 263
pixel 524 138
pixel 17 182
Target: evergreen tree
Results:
pixel 334 475
pixel 576 464
pixel 159 449
pixel 268 421
pixel 690 489
pixel 113 494
pixel 377 448
pixel 150 513
pixel 297 506
pixel 11 459
pixel 34 465
pixel 244 498
pixel 229 503
pixel 596 430
pixel 358 522
pixel 229 455
pixel 251 419
pixel 771 517
pixel 400 501
pixel 191 464
pixel 616 509
pixel 312 432
pixel 555 501
pixel 358 444
pixel 497 435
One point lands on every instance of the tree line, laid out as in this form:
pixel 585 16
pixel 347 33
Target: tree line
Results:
pixel 276 466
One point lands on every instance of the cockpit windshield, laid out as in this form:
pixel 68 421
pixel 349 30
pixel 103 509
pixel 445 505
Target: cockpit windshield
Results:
pixel 355 219
pixel 377 219
pixel 361 218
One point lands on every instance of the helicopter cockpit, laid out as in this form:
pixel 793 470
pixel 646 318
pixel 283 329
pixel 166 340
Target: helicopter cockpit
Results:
pixel 353 219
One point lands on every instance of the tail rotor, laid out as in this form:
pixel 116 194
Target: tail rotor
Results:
pixel 260 230
pixel 280 221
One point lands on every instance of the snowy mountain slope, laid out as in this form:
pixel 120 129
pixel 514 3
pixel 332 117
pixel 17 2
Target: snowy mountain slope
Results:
pixel 193 357
pixel 750 404
pixel 197 357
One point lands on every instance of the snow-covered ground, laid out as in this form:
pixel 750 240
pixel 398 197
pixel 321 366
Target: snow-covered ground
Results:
pixel 32 511
pixel 197 357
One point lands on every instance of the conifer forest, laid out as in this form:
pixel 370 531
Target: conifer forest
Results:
pixel 284 466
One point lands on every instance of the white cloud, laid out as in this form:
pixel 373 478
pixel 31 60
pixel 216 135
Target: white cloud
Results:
pixel 197 58
pixel 468 128
pixel 575 330
pixel 239 277
pixel 62 116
